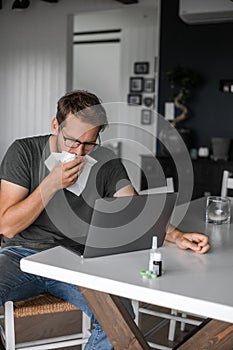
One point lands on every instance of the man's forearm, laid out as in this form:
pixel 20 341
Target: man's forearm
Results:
pixel 22 214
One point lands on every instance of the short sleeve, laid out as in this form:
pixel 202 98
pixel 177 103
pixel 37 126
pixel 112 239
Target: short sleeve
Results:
pixel 15 165
pixel 115 176
pixel 109 174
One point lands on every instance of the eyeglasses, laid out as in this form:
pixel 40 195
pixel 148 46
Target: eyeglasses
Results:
pixel 75 143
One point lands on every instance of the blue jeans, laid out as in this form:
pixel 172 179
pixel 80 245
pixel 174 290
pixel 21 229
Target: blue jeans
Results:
pixel 17 285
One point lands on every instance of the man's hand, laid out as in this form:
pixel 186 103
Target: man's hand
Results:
pixel 198 242
pixel 66 174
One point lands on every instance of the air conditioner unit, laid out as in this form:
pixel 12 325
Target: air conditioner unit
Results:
pixel 206 11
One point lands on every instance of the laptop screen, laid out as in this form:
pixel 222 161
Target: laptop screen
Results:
pixel 127 224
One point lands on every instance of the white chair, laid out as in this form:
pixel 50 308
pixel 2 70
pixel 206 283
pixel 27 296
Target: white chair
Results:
pixel 173 317
pixel 227 182
pixel 169 188
pixel 40 305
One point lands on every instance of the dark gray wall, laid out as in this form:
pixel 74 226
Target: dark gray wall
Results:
pixel 207 49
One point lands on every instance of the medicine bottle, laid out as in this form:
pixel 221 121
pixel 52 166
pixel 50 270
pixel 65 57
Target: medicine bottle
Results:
pixel 155 261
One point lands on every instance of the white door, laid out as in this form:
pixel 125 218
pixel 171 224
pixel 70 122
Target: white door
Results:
pixel 96 68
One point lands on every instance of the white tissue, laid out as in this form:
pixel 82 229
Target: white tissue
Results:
pixel 81 182
pixel 67 157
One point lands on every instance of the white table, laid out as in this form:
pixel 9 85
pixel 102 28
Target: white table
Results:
pixel 200 284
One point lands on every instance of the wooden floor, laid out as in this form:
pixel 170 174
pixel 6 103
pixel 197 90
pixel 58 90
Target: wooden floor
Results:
pixel 53 325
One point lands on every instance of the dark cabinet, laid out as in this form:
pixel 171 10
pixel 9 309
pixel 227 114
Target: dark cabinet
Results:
pixel 207 174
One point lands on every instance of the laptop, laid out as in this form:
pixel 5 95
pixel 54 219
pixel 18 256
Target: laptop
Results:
pixel 123 224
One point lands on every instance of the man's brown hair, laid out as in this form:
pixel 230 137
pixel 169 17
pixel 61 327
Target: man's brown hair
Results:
pixel 84 105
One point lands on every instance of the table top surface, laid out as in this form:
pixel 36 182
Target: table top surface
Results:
pixel 200 284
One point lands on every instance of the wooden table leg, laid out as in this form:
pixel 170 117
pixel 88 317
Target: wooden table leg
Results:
pixel 215 335
pixel 115 320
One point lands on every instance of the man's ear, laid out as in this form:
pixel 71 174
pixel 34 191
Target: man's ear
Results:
pixel 55 126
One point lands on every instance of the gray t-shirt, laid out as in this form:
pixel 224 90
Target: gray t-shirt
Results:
pixel 24 165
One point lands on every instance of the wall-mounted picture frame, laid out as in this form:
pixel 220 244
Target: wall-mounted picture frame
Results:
pixel 134 99
pixel 148 101
pixel 146 116
pixel 149 85
pixel 141 67
pixel 136 84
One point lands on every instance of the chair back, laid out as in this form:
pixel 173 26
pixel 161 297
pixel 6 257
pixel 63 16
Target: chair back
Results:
pixel 169 188
pixel 227 182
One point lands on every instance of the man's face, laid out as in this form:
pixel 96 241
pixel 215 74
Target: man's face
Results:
pixel 76 137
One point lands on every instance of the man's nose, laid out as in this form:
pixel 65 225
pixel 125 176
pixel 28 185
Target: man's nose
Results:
pixel 79 151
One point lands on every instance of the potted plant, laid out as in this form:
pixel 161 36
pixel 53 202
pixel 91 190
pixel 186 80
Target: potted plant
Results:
pixel 181 80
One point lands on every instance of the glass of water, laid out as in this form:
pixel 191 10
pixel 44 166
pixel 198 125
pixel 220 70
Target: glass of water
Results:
pixel 218 210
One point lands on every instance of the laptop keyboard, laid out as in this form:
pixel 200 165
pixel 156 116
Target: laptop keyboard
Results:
pixel 72 245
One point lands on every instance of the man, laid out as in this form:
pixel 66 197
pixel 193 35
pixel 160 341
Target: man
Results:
pixel 36 206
